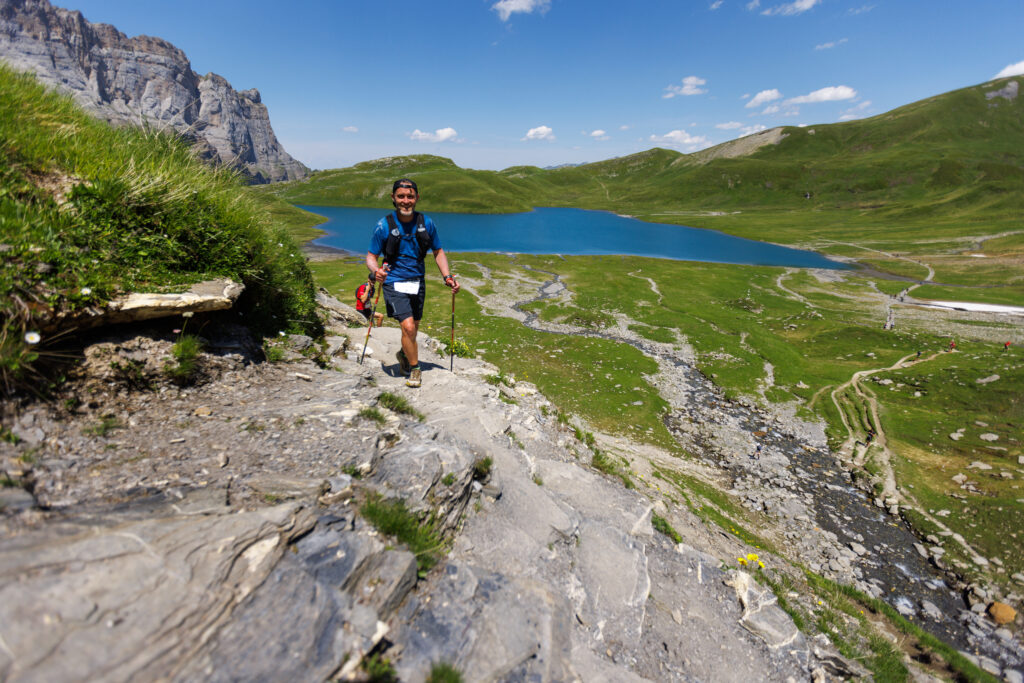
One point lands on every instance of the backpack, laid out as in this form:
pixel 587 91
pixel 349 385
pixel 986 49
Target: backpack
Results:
pixel 370 296
pixel 395 238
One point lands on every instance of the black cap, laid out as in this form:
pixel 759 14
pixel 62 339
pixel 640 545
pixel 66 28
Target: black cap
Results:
pixel 404 182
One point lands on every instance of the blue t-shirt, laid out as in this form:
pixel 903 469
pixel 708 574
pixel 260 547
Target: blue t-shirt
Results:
pixel 408 265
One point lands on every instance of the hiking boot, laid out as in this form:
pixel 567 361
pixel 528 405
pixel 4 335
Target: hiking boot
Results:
pixel 414 378
pixel 403 361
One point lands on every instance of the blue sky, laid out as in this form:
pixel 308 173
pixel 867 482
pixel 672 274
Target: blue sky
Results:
pixel 497 83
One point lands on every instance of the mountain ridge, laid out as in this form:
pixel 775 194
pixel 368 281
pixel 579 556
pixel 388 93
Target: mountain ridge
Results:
pixel 951 155
pixel 144 81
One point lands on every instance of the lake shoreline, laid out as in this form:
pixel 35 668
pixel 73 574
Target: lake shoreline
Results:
pixel 570 231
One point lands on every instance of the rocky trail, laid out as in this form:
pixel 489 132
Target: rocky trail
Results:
pixel 214 532
pixel 781 466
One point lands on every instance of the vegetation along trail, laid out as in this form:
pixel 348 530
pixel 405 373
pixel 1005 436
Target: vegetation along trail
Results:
pixel 873 454
pixel 778 467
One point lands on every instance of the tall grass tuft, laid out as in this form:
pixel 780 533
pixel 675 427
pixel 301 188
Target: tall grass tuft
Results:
pixel 88 211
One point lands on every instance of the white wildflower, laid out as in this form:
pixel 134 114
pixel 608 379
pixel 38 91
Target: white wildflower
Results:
pixel 86 291
pixel 32 338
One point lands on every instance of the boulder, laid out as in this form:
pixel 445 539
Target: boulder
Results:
pixel 1001 613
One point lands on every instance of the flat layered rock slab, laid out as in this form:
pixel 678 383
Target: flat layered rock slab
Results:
pixel 132 599
pixel 489 626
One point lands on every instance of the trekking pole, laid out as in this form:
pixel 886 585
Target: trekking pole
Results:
pixel 373 314
pixel 451 349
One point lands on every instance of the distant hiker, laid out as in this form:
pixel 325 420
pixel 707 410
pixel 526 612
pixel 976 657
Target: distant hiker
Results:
pixel 404 237
pixel 869 437
pixel 757 452
pixel 952 345
pixel 1006 346
pixel 919 353
pixel 364 295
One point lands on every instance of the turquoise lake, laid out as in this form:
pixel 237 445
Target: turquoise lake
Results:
pixel 569 232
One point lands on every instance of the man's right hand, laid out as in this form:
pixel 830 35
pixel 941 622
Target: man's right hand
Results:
pixel 381 273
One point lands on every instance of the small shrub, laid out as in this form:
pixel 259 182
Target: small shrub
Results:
pixel 131 373
pixel 186 354
pixel 378 669
pixel 661 524
pixel 399 404
pixel 461 348
pixel 443 672
pixel 274 354
pixel 448 479
pixel 107 424
pixel 370 413
pixel 482 468
pixel 392 517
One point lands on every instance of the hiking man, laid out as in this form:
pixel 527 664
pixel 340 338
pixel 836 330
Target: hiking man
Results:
pixel 404 237
pixel 364 293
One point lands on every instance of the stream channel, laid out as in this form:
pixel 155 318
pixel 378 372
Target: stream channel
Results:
pixel 832 527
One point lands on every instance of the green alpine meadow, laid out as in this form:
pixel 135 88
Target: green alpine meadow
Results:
pixel 926 199
pixel 923 405
pixel 89 211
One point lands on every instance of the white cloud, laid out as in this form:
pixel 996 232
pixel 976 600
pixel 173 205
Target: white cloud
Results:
pixel 833 93
pixel 750 130
pixel 691 86
pixel 350 129
pixel 625 127
pixel 731 125
pixel 715 5
pixel 771 109
pixel 506 8
pixel 1011 70
pixel 791 8
pixel 680 138
pixel 762 97
pixel 539 133
pixel 753 5
pixel 598 134
pixel 855 112
pixel 860 10
pixel 440 135
pixel 829 46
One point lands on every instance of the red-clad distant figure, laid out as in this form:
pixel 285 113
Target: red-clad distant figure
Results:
pixel 1006 346
pixel 363 296
pixel 952 345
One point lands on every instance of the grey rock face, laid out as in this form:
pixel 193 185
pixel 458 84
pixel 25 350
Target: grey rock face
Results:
pixel 144 81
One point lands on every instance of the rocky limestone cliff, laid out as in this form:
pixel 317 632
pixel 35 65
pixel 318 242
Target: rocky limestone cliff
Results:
pixel 144 81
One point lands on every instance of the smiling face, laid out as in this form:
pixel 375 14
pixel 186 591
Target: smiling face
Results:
pixel 404 199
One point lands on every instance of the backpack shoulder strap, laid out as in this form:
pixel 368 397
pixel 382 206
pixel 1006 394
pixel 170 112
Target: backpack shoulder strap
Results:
pixel 422 236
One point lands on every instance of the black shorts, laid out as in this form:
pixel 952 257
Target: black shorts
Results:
pixel 402 306
pixel 366 312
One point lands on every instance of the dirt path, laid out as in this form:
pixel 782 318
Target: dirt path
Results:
pixel 789 292
pixel 654 285
pixel 861 453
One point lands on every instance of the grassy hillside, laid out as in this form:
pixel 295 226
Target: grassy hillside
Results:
pixel 951 158
pixel 88 211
